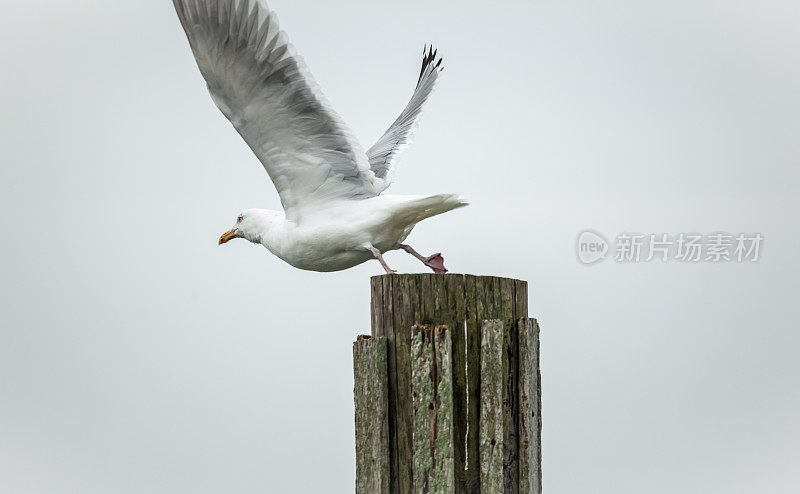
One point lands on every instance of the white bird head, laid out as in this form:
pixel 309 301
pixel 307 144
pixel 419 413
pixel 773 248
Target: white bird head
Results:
pixel 252 225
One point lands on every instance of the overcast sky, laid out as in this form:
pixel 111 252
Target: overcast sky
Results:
pixel 137 356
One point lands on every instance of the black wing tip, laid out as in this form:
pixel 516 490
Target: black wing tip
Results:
pixel 430 58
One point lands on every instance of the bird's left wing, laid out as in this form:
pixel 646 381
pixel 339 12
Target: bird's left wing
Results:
pixel 383 153
pixel 262 86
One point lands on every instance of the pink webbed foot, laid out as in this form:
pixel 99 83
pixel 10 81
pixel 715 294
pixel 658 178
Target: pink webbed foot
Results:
pixel 436 263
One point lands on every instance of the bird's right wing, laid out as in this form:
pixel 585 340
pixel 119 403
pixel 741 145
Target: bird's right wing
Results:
pixel 262 86
pixel 382 154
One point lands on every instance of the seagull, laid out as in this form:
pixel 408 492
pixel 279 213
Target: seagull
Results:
pixel 335 215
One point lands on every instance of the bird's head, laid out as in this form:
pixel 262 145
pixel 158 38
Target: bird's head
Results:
pixel 252 225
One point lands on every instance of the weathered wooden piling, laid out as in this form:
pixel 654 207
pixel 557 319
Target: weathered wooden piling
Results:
pixel 447 388
pixel 372 415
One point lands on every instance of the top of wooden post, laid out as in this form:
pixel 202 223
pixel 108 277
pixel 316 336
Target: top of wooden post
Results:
pixel 447 275
pixel 428 298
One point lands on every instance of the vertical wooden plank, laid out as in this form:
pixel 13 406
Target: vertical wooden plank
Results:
pixel 444 475
pixel 387 328
pixel 538 395
pixel 510 409
pixel 447 337
pixel 504 297
pixel 401 306
pixel 489 287
pixel 407 312
pixel 439 291
pixel 527 417
pixel 486 308
pixel 432 397
pixel 454 316
pixel 520 310
pixel 530 422
pixel 499 403
pixel 506 300
pixel 427 301
pixel 520 299
pixel 376 305
pixel 423 402
pixel 491 407
pixel 473 332
pixel 371 395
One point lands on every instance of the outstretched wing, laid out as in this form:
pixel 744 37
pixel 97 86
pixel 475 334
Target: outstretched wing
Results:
pixel 383 154
pixel 262 86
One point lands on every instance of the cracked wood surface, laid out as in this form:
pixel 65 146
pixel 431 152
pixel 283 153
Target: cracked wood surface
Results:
pixel 407 310
pixel 432 396
pixel 371 394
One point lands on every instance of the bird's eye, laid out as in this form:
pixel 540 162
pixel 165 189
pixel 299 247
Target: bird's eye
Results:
pixel 239 219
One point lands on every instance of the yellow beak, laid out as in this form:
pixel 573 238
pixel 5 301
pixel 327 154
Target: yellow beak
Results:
pixel 227 236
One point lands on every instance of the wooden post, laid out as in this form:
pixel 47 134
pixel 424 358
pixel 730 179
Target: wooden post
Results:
pixel 462 406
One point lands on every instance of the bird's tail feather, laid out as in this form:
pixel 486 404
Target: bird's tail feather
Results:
pixel 421 208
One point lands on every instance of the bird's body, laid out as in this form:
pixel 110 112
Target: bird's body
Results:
pixel 339 237
pixel 335 215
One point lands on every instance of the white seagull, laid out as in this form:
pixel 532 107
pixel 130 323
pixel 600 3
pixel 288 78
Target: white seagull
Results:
pixel 334 214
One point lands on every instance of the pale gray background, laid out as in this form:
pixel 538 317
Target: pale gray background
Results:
pixel 137 356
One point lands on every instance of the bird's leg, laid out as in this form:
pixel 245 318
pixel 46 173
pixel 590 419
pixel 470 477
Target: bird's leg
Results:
pixel 379 257
pixel 435 262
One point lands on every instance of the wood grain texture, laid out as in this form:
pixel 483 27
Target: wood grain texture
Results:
pixel 530 413
pixel 406 315
pixel 473 370
pixel 371 394
pixel 423 402
pixel 382 309
pixel 453 316
pixel 493 368
pixel 461 302
pixel 432 396
pixel 443 479
pixel 500 411
pixel 505 300
pixel 510 409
